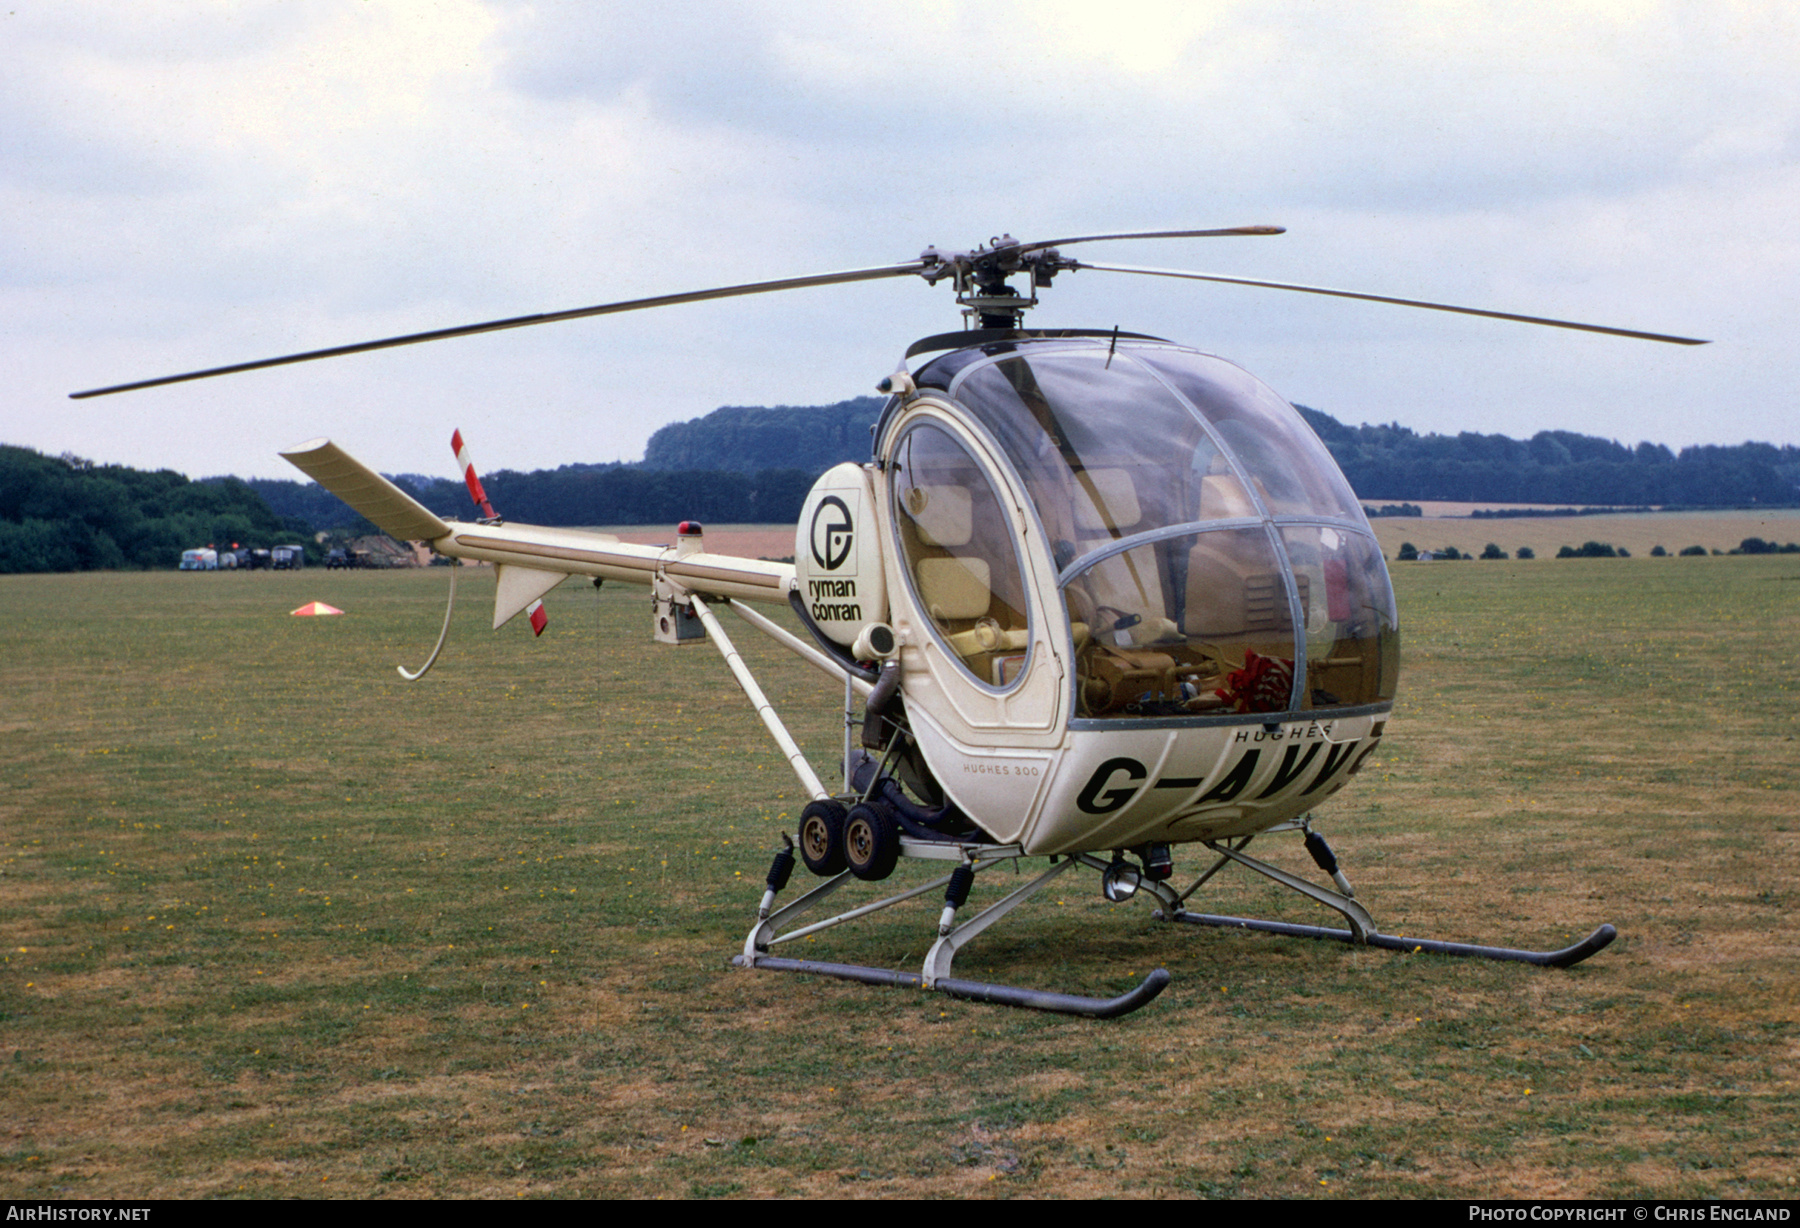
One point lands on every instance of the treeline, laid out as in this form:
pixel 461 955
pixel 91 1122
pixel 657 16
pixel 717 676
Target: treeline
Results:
pixel 751 464
pixel 1394 462
pixel 1382 462
pixel 748 438
pixel 69 514
pixel 743 464
pixel 1410 553
pixel 625 494
pixel 576 495
pixel 1555 513
pixel 755 464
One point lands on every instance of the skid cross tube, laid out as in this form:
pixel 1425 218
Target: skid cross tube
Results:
pixel 1362 925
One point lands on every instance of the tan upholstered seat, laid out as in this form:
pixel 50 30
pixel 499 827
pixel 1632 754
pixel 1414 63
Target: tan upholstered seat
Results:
pixel 1111 503
pixel 1223 497
pixel 1108 506
pixel 1232 590
pixel 954 589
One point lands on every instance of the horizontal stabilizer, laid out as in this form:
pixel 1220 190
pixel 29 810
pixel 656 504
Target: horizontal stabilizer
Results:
pixel 392 510
pixel 517 587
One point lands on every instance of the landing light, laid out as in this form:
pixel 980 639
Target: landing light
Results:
pixel 1120 881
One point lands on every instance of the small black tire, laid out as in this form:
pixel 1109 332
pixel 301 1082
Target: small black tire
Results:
pixel 871 842
pixel 822 838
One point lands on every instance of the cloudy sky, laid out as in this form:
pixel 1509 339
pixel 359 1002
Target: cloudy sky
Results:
pixel 187 184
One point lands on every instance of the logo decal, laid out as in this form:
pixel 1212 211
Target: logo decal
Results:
pixel 833 535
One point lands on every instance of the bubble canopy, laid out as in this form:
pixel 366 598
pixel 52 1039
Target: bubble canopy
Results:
pixel 1210 557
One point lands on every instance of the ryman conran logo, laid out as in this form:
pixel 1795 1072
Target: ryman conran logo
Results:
pixel 831 534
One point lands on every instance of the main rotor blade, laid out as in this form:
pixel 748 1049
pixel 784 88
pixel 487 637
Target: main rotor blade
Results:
pixel 493 326
pixel 1160 234
pixel 1401 302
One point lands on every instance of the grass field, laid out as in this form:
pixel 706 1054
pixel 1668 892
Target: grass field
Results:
pixel 278 924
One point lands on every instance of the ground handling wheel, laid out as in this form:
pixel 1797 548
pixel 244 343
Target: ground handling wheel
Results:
pixel 822 838
pixel 871 842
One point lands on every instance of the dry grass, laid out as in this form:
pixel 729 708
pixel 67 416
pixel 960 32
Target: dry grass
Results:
pixel 277 924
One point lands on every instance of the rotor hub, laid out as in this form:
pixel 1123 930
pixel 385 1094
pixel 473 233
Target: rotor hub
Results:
pixel 980 278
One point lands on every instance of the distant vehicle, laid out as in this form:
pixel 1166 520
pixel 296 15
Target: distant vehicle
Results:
pixel 338 557
pixel 288 558
pixel 202 559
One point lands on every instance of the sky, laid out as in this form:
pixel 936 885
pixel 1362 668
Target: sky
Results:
pixel 187 184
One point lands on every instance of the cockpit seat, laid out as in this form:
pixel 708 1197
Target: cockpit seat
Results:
pixel 1223 497
pixel 1110 507
pixel 1233 593
pixel 954 589
pixel 1125 585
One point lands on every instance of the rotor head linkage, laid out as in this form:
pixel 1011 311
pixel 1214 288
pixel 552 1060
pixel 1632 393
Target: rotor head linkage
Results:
pixel 980 278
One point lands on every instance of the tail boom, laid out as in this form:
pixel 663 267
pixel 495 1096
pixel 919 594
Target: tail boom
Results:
pixel 536 548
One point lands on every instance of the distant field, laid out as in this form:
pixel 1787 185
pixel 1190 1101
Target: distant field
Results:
pixel 1637 532
pixel 278 924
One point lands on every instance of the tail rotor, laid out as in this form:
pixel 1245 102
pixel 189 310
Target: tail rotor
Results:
pixel 534 613
pixel 476 491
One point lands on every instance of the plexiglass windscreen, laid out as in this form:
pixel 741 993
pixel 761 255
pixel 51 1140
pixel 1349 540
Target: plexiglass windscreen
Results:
pixel 1211 557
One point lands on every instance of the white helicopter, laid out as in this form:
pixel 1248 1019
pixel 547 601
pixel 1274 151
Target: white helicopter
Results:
pixel 1097 595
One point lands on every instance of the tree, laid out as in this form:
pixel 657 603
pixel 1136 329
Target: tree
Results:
pixel 1493 552
pixel 69 514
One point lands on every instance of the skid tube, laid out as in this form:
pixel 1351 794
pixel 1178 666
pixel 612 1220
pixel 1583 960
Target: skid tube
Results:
pixel 1567 957
pixel 977 991
pixel 1362 931
pixel 951 936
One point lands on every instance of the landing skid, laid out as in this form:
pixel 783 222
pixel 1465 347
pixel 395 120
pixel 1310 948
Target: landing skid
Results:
pixel 935 975
pixel 978 991
pixel 1544 959
pixel 767 933
pixel 1362 931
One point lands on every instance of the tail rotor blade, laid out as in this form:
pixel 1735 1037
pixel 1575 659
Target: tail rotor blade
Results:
pixel 473 482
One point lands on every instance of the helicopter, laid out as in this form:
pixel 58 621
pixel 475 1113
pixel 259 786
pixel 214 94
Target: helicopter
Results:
pixel 1095 596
